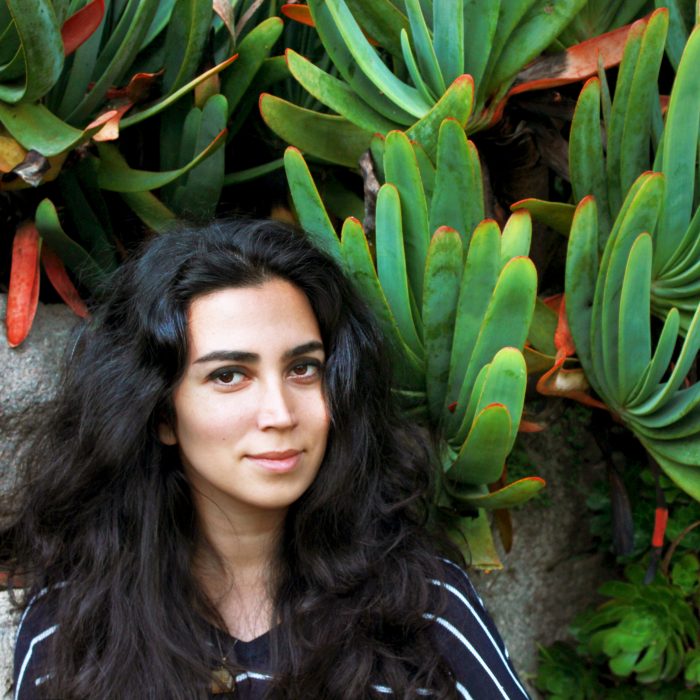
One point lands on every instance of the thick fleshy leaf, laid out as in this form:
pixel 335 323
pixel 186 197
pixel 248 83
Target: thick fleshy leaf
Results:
pixel 542 328
pixel 660 361
pixel 382 20
pixel 116 176
pixel 332 138
pixel 391 264
pixel 557 215
pixel 175 96
pixel 401 170
pixel 118 55
pixel 457 102
pixel 199 194
pixel 56 272
pixel 505 384
pixel 184 41
pixel 634 149
pixel 448 33
pixel 308 204
pixel 530 36
pixel 409 373
pixel 338 50
pixel 586 158
pixel 458 198
pixel 481 458
pixel 336 94
pixel 507 318
pixel 480 22
pixel 615 124
pixel 367 60
pixel 478 281
pixel 511 495
pixel 577 63
pixel 475 538
pixel 86 270
pixel 443 271
pixel 36 128
pixel 423 45
pixel 640 215
pixel 516 236
pixel 42 48
pixel 680 147
pixel 252 52
pixel 23 291
pixel 79 27
pixel 634 328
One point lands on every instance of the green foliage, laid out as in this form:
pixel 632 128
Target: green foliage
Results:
pixel 430 45
pixel 646 633
pixel 454 298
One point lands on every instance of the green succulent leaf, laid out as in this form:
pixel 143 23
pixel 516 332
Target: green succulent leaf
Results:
pixel 557 215
pixel 408 370
pixel 391 264
pixel 41 47
pixel 401 169
pixel 482 456
pixel 331 138
pixel 458 199
pixel 252 51
pixel 509 496
pixel 443 270
pixel 308 204
pixel 76 258
pixel 336 94
pixel 115 175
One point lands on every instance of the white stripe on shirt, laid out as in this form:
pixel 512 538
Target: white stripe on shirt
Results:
pixel 498 649
pixel 39 638
pixel 451 628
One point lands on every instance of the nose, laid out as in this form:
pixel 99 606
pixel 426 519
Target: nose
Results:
pixel 276 408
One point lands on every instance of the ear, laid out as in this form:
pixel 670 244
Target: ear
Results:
pixel 166 434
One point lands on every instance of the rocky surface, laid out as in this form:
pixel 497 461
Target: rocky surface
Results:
pixel 553 570
pixel 7 636
pixel 551 573
pixel 28 377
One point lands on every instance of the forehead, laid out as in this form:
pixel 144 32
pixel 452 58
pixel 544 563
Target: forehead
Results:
pixel 274 314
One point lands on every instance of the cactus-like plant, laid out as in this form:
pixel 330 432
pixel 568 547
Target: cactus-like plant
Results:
pixel 454 296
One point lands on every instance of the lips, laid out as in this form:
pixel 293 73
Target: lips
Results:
pixel 282 461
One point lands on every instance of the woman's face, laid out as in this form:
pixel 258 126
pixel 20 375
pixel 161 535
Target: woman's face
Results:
pixel 251 420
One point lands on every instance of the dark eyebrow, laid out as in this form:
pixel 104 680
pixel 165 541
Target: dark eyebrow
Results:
pixel 229 356
pixel 251 357
pixel 303 349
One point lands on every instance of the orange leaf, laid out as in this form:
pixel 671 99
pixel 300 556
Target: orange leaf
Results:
pixel 577 62
pixel 567 383
pixel 110 130
pixel 80 26
pixel 563 341
pixel 298 13
pixel 302 14
pixel 56 272
pixel 23 292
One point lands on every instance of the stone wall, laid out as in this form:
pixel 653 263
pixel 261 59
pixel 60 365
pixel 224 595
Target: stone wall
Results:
pixel 551 573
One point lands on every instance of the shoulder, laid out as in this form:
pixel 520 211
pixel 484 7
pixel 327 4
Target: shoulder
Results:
pixel 36 626
pixel 469 642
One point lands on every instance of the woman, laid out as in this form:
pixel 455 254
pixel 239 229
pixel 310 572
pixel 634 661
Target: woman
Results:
pixel 225 499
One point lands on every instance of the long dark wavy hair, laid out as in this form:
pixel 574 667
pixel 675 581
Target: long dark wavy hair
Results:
pixel 106 513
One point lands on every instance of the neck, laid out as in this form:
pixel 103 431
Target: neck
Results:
pixel 236 562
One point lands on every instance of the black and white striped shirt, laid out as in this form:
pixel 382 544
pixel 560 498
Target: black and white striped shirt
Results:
pixel 464 633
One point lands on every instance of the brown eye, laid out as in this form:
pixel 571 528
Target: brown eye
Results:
pixel 228 376
pixel 305 370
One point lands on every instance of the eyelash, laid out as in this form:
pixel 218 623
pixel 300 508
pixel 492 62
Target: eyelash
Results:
pixel 217 375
